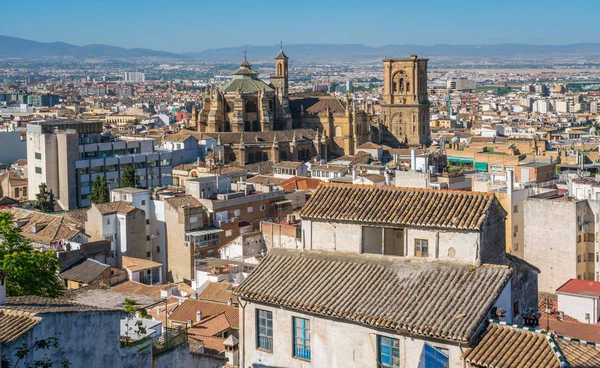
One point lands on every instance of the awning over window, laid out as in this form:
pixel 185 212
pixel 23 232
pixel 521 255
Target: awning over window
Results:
pixel 463 160
pixel 481 166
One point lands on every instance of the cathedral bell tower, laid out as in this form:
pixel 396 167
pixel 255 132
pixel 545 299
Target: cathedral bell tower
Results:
pixel 279 81
pixel 405 107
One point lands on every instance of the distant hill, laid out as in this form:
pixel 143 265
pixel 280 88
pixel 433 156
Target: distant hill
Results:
pixel 334 53
pixel 13 47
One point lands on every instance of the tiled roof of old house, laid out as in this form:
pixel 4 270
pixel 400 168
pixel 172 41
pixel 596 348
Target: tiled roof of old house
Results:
pixel 509 346
pixel 15 324
pixel 183 201
pixel 400 206
pixel 442 300
pixel 86 271
pixel 138 264
pixel 44 228
pixel 220 291
pixel 187 311
pixel 114 207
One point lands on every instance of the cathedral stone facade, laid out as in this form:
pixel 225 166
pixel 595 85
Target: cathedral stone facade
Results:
pixel 249 105
pixel 405 107
pixel 246 114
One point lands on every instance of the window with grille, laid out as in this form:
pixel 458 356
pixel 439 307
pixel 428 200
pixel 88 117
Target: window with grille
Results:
pixel 264 328
pixel 301 338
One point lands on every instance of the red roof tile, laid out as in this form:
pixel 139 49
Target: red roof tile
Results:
pixel 581 287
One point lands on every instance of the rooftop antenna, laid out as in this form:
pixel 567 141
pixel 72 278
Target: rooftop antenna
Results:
pixel 281 45
pixel 245 52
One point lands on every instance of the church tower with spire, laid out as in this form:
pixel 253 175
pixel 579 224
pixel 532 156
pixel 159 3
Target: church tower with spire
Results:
pixel 279 81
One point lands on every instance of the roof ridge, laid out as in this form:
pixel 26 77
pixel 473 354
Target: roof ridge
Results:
pixel 393 187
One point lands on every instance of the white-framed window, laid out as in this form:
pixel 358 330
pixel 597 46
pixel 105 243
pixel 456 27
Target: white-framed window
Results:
pixel 250 209
pixel 237 213
pixel 263 207
pixel 229 233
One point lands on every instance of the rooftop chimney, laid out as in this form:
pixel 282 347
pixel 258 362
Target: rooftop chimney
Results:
pixel 198 316
pixel 509 181
pixel 413 160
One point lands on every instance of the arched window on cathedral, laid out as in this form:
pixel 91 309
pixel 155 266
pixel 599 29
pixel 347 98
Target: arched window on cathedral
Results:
pixel 407 86
pixel 255 126
pixel 251 106
pixel 280 70
pixel 247 126
pixel 227 126
pixel 265 156
pixel 401 85
pixel 251 157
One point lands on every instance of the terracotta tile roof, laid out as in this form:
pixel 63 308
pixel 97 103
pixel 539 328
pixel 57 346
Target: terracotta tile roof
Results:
pixel 579 355
pixel 583 331
pixel 138 264
pixel 510 346
pixel 316 105
pixel 51 228
pixel 264 179
pixel 183 201
pixel 220 291
pixel 400 206
pixel 301 183
pixel 78 217
pixel 134 287
pixel 580 287
pixel 86 271
pixel 369 145
pixel 114 207
pixel 211 326
pixel 288 165
pixel 507 347
pixel 40 305
pixel 14 324
pixel 212 345
pixel 185 167
pixel 187 311
pixel 387 292
pixel 181 137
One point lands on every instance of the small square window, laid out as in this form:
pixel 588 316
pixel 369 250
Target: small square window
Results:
pixel 157 249
pixel 263 207
pixel 143 202
pixel 515 209
pixel 38 156
pixel 250 209
pixel 388 351
pixel 148 255
pixel 38 170
pixel 147 221
pixel 421 248
pixel 147 237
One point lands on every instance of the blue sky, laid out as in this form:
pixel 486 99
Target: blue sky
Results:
pixel 195 25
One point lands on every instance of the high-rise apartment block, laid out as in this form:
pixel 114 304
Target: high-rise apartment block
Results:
pixel 134 77
pixel 68 156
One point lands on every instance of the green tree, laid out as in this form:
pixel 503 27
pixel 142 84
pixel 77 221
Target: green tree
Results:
pixel 44 199
pixel 29 272
pixel 129 178
pixel 100 192
pixel 134 312
pixel 32 273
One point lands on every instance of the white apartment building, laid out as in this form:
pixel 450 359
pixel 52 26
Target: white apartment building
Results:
pixel 68 156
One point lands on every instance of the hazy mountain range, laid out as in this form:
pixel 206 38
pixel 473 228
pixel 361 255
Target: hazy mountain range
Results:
pixel 12 47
